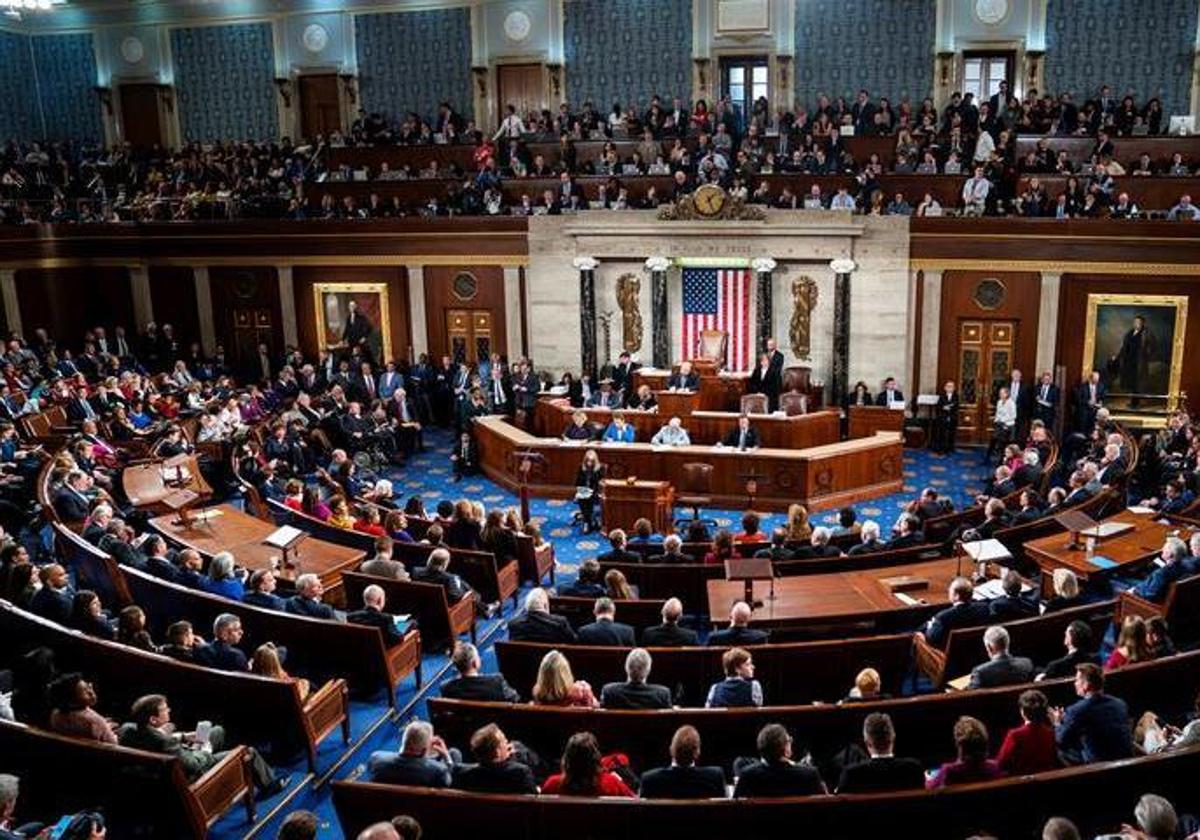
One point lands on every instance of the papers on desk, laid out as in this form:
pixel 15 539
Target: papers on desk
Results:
pixel 959 683
pixel 1107 529
pixel 283 537
pixel 994 588
pixel 180 473
pixel 205 515
pixel 927 399
pixel 1140 509
pixel 896 405
pixel 1102 562
pixel 906 599
pixel 987 551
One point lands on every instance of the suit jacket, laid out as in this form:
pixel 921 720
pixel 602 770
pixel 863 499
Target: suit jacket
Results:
pixel 764 779
pixel 220 655
pixel 737 637
pixel 669 635
pixel 1045 412
pixel 540 627
pixel 266 600
pixel 399 769
pixel 374 618
pixel 1065 666
pixel 617 555
pixel 608 633
pixel 1096 728
pixel 195 763
pixel 691 382
pixel 878 775
pixel 631 695
pixel 384 567
pixel 1003 670
pixel 70 506
pixel 480 687
pixel 676 782
pixel 734 436
pixel 882 397
pixel 54 604
pixel 1008 608
pixel 1154 588
pixel 507 777
pixel 970 614
pixel 298 605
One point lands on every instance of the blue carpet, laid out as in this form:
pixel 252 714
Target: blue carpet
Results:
pixel 373 727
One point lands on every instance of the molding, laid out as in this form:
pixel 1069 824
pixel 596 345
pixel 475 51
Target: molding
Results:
pixel 330 260
pixel 1082 267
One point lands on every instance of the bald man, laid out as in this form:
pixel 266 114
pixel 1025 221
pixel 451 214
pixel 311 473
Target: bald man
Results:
pixel 669 633
pixel 739 632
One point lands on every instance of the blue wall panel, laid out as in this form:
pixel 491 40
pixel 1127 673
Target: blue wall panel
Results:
pixel 223 80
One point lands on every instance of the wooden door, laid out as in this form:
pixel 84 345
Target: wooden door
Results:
pixel 141 115
pixel 986 357
pixel 469 334
pixel 320 105
pixel 251 326
pixel 519 85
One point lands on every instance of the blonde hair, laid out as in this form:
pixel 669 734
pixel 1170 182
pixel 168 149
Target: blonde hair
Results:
pixel 554 679
pixel 1065 583
pixel 798 526
pixel 617 585
pixel 265 662
pixel 868 682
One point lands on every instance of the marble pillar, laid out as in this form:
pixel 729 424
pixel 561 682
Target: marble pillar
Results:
pixel 587 313
pixel 1047 322
pixel 512 311
pixel 660 335
pixel 841 328
pixel 287 306
pixel 208 329
pixel 764 321
pixel 139 287
pixel 416 309
pixel 12 307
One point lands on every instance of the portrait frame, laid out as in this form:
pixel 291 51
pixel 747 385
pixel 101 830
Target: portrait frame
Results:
pixel 330 304
pixel 1106 310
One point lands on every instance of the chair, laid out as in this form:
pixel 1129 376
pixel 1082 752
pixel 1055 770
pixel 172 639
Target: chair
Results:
pixel 754 403
pixel 713 345
pixel 695 489
pixel 793 403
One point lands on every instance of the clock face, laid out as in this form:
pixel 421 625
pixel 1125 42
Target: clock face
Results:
pixel 709 199
pixel 991 11
pixel 132 50
pixel 315 37
pixel 517 26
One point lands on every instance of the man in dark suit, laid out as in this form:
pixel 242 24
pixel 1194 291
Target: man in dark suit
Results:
pixel 260 591
pixel 605 630
pixel 472 685
pixel 496 770
pixel 537 624
pixel 743 437
pixel 1012 605
pixel 1002 668
pixel 1045 400
pixel 910 533
pixel 223 652
pixel 1080 643
pixel 54 599
pixel 889 394
pixel 1177 564
pixel 1097 727
pixel 683 779
pixel 635 692
pixel 117 542
pixel 669 633
pixel 622 376
pixel 372 615
pixel 778 549
pixel 739 632
pixel 71 502
pixel 356 330
pixel 963 611
pixel 882 772
pixel 307 600
pixel 1089 396
pixel 776 774
pixel 672 547
pixel 525 387
pixel 435 571
pixel 684 379
pixel 765 380
pixel 423 760
pixel 618 553
pixel 589 583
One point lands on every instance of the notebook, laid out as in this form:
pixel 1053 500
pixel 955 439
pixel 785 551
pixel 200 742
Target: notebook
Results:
pixel 1102 562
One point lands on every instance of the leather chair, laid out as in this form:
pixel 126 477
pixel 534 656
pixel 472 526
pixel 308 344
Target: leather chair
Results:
pixel 754 403
pixel 695 490
pixel 713 346
pixel 793 403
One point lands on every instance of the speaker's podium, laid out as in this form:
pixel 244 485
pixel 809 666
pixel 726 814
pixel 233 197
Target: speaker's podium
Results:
pixel 748 570
pixel 628 500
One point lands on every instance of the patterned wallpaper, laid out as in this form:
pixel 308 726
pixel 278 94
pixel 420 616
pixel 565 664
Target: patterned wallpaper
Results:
pixel 1139 46
pixel 885 46
pixel 66 74
pixel 18 106
pixel 627 50
pixel 223 82
pixel 412 61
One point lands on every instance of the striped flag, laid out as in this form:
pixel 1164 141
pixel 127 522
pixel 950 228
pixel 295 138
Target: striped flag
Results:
pixel 717 299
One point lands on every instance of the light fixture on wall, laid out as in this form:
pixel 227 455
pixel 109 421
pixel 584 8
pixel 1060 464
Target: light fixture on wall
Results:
pixel 15 8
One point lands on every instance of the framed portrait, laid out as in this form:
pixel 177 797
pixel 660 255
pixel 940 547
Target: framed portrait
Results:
pixel 1137 343
pixel 353 313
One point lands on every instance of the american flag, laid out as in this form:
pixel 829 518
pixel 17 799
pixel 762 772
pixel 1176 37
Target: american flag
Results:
pixel 717 299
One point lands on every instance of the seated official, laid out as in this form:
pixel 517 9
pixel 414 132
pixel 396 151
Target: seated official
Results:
pixel 1132 644
pixel 739 631
pixel 972 764
pixel 588 583
pixel 496 769
pixel 672 551
pixel 1178 563
pixel 72 702
pixel 606 397
pixel 221 579
pixel 383 564
pixel 672 434
pixel 1012 605
pixel 618 587
pixel 618 431
pixel 684 379
pixel 182 643
pixel 557 686
pixel 635 692
pixel 472 685
pixel 1029 472
pixel 1097 727
pixel 643 533
pixel 908 533
pixel 1002 668
pixel 582 773
pixel 778 549
pixel 618 552
pixel 882 771
pixel 868 687
pixel 223 651
pixel 743 437
pixel 537 624
pixel 56 597
pixel 739 688
pixel 605 630
pixel 750 529
pixel 1030 747
pixel 683 779
pixel 423 760
pixel 1000 484
pixel 869 534
pixel 775 774
pixel 1080 645
pixel 818 545
pixel 372 615
pixel 89 617
pixel 643 400
pixel 889 394
pixel 963 611
pixel 1031 507
pixel 669 633
pixel 1066 593
pixel 260 591
pixel 578 428
pixel 435 571
pixel 307 600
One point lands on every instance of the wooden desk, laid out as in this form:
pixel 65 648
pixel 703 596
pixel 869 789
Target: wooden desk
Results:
pixel 625 503
pixel 838 598
pixel 242 535
pixel 677 403
pixel 866 420
pixel 146 485
pixel 718 392
pixel 1127 550
pixel 820 477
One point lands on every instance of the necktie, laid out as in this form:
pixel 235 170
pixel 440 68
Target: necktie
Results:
pixel 370 386
pixel 742 441
pixel 404 411
pixel 499 392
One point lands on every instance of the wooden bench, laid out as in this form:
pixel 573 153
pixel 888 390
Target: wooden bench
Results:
pixel 143 794
pixel 439 621
pixel 1040 638
pixel 480 569
pixel 253 709
pixel 793 672
pixel 1181 608
pixel 535 562
pixel 322 648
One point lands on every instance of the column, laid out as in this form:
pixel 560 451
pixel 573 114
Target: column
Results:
pixel 512 311
pixel 1047 323
pixel 8 293
pixel 931 330
pixel 204 310
pixel 139 287
pixel 764 319
pixel 587 313
pixel 287 306
pixel 842 267
pixel 416 309
pixel 660 341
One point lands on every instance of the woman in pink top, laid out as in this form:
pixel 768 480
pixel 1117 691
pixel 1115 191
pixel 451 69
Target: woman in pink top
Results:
pixel 557 686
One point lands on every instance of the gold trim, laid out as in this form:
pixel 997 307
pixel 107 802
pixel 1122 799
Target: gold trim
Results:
pixel 385 322
pixel 1180 302
pixel 1039 266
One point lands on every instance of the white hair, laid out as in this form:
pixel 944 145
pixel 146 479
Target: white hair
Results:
pixel 672 543
pixel 373 595
pixel 383 487
pixel 221 566
pixel 995 638
pixel 870 530
pixel 637 665
pixel 537 600
pixel 417 736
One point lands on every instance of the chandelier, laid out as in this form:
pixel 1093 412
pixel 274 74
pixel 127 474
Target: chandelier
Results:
pixel 14 8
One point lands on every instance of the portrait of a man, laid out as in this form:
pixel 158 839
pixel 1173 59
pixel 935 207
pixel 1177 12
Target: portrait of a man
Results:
pixel 1136 341
pixel 353 315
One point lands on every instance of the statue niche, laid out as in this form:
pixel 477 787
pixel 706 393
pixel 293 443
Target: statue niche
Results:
pixel 629 287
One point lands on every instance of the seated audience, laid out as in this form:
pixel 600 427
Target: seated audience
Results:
pixel 739 631
pixel 882 771
pixel 472 685
pixel 868 686
pixel 538 624
pixel 963 611
pixel 260 591
pixel 372 615
pixel 606 630
pixel 775 774
pixel 972 764
pixel 1097 726
pixel 1012 605
pixel 496 769
pixel 307 600
pixel 683 779
pixel 583 773
pixel 1132 645
pixel 435 571
pixel 424 760
pixel 669 633
pixel 1002 668
pixel 557 686
pixel 618 552
pixel 1080 644
pixel 1030 747
pixel 739 688
pixel 588 582
pixel 635 692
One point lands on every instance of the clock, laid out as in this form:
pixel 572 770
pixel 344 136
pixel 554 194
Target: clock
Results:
pixel 517 26
pixel 709 200
pixel 991 12
pixel 315 37
pixel 132 50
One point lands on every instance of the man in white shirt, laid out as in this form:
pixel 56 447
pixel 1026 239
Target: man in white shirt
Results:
pixel 975 193
pixel 672 434
pixel 1004 425
pixel 842 201
pixel 511 127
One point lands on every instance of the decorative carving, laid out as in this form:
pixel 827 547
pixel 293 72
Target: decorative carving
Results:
pixel 729 208
pixel 481 80
pixel 804 301
pixel 555 71
pixel 629 288
pixel 990 293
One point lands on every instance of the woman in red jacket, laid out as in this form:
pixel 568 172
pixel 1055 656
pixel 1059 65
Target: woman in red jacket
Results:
pixel 582 774
pixel 1030 747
